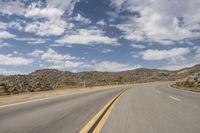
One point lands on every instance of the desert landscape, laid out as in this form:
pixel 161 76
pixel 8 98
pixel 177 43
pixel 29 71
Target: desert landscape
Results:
pixel 51 79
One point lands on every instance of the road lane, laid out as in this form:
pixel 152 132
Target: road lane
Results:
pixel 57 115
pixel 149 109
pixel 152 108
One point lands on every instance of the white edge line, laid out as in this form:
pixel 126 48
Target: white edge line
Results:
pixel 50 97
pixel 42 99
pixel 183 90
pixel 175 98
pixel 35 100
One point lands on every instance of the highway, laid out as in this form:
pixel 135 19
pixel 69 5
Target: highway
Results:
pixel 140 108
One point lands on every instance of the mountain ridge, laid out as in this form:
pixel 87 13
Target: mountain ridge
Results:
pixel 48 79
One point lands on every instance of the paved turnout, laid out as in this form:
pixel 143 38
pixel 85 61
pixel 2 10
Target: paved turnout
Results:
pixel 152 108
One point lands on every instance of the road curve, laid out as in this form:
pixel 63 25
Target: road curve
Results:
pixel 155 108
pixel 151 107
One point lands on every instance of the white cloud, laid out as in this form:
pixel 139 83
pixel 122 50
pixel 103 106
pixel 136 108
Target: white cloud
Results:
pixel 58 61
pixel 101 22
pixel 113 66
pixel 5 35
pixel 32 40
pixel 181 62
pixel 88 37
pixel 51 13
pixel 19 8
pixel 81 19
pixel 53 23
pixel 15 25
pixel 138 46
pixel 15 61
pixel 11 25
pixel 160 20
pixel 36 53
pixel 164 54
pixel 48 12
pixel 12 7
pixel 51 55
pixel 38 41
pixel 48 28
pixel 66 65
pixel 129 32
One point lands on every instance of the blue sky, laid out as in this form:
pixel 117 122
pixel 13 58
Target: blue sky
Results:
pixel 100 35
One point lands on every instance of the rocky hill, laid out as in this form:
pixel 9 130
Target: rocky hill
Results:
pixel 192 82
pixel 183 73
pixel 48 79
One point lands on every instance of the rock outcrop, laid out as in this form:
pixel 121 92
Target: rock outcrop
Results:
pixel 192 82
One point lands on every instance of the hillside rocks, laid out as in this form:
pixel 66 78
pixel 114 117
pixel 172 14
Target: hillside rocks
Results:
pixel 48 79
pixel 192 82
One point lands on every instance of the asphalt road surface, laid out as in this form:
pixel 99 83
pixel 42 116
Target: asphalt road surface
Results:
pixel 144 108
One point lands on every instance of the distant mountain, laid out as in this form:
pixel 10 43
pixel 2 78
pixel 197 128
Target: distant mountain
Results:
pixel 183 73
pixel 48 79
pixel 190 70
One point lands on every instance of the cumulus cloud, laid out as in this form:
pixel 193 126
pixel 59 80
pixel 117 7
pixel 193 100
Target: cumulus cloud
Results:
pixel 48 12
pixel 19 7
pixel 53 23
pixel 88 37
pixel 15 61
pixel 12 7
pixel 48 28
pixel 66 65
pixel 11 25
pixel 51 55
pixel 58 61
pixel 156 54
pixel 159 20
pixel 180 62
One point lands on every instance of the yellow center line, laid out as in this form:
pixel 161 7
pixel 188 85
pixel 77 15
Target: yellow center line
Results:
pixel 96 123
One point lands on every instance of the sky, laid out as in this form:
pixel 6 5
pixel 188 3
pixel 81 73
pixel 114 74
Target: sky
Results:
pixel 98 35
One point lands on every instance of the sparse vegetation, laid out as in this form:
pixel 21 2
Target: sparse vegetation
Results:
pixel 192 82
pixel 48 79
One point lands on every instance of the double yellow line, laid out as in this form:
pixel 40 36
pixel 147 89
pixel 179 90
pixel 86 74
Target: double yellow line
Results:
pixel 97 122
